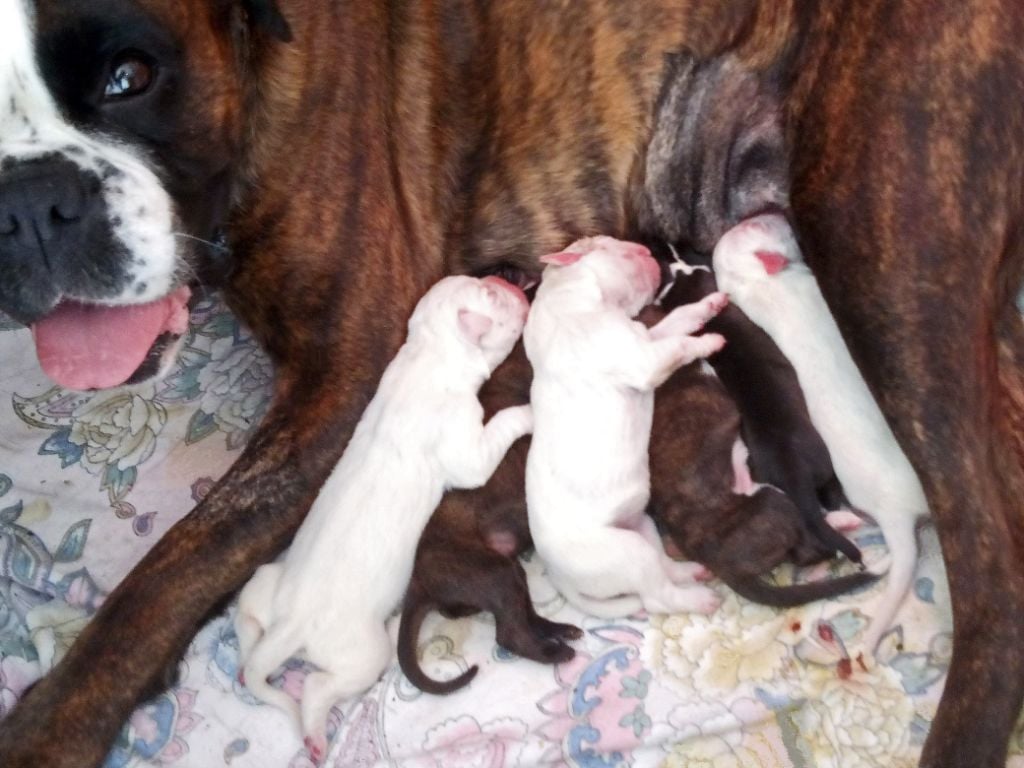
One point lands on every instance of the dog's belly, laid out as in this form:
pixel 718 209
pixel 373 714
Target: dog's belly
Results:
pixel 555 141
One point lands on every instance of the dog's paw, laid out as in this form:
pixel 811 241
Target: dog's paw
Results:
pixel 556 652
pixel 707 603
pixel 687 572
pixel 690 318
pixel 705 345
pixel 554 629
pixel 697 600
pixel 844 521
pixel 316 746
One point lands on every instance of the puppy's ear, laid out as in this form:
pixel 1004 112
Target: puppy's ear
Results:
pixel 474 325
pixel 265 15
pixel 561 259
pixel 773 261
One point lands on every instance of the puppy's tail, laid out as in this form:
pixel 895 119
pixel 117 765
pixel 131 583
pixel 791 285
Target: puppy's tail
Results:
pixel 414 611
pixel 755 589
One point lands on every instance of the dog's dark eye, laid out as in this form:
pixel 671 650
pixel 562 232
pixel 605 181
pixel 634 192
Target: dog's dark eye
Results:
pixel 131 75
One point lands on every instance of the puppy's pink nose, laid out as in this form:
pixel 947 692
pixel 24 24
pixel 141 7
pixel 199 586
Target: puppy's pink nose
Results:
pixel 505 285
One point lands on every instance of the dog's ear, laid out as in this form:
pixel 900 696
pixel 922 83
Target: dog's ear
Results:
pixel 474 325
pixel 561 259
pixel 265 15
pixel 773 261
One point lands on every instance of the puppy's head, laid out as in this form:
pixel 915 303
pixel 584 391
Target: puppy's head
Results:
pixel 750 254
pixel 484 316
pixel 121 129
pixel 625 274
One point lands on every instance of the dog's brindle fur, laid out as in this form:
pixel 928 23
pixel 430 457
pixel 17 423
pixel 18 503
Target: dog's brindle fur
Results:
pixel 467 558
pixel 453 135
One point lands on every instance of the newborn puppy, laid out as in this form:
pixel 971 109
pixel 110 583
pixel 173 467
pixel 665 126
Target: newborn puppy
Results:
pixel 587 473
pixel 718 154
pixel 351 560
pixel 738 537
pixel 786 450
pixel 758 262
pixel 467 559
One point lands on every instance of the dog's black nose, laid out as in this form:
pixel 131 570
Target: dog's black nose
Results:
pixel 51 212
pixel 43 206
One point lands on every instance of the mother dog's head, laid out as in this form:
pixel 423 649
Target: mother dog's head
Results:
pixel 121 127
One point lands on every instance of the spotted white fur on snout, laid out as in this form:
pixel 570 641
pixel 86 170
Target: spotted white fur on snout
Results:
pixel 140 212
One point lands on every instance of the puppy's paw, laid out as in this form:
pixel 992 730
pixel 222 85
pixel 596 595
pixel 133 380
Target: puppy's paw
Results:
pixel 714 303
pixel 553 629
pixel 317 748
pixel 690 318
pixel 518 419
pixel 687 572
pixel 843 520
pixel 696 347
pixel 707 603
pixel 558 653
pixel 697 600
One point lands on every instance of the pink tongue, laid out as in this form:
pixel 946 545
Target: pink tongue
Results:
pixel 87 346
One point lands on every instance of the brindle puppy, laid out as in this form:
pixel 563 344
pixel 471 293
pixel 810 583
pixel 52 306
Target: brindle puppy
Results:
pixel 740 538
pixel 467 559
pixel 786 450
pixel 391 141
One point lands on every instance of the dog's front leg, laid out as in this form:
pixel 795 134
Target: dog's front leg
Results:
pixel 70 718
pixel 909 200
pixel 72 715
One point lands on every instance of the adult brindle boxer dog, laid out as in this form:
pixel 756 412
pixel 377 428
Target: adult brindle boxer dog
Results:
pixel 356 151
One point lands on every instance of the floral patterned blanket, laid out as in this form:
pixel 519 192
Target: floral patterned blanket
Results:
pixel 88 483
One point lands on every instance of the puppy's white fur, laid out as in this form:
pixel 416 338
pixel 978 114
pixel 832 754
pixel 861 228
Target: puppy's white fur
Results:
pixel 32 126
pixel 873 470
pixel 351 560
pixel 587 474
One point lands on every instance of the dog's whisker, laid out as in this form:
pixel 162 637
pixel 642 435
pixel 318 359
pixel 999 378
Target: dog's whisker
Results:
pixel 210 243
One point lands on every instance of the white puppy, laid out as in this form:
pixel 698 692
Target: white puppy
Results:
pixel 759 264
pixel 352 559
pixel 587 473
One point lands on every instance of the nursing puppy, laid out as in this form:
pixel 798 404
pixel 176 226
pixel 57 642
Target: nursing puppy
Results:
pixel 785 450
pixel 759 264
pixel 587 473
pixel 350 562
pixel 739 536
pixel 467 558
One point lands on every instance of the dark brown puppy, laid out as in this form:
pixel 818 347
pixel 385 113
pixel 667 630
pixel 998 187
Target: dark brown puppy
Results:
pixel 455 135
pixel 467 558
pixel 740 538
pixel 786 450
